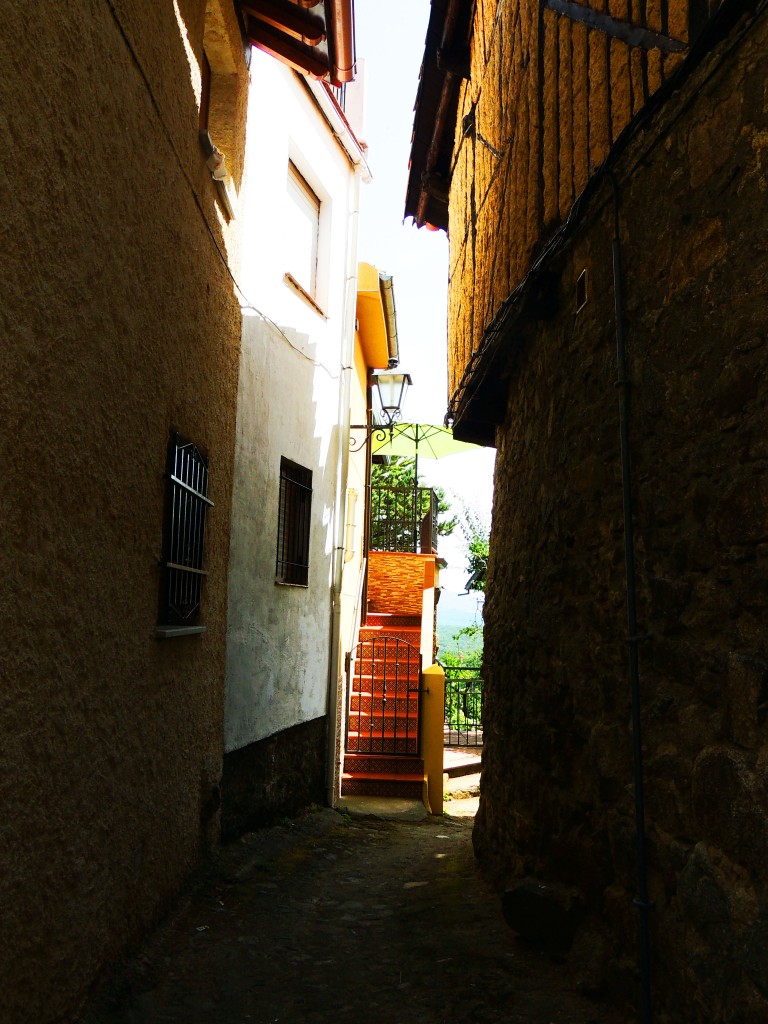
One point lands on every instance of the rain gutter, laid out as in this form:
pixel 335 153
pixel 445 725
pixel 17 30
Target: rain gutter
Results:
pixel 390 320
pixel 342 17
pixel 335 667
pixel 339 125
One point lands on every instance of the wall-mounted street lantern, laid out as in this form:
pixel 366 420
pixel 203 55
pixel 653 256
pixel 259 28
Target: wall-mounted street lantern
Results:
pixel 391 389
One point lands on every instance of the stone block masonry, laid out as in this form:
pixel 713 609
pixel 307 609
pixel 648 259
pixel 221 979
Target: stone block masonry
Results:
pixel 557 800
pixel 274 777
pixel 548 96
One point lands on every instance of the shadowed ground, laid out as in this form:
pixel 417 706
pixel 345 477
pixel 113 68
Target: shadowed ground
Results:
pixel 332 919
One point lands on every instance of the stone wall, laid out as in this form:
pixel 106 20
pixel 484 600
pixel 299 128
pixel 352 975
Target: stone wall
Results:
pixel 119 323
pixel 548 96
pixel 273 778
pixel 557 797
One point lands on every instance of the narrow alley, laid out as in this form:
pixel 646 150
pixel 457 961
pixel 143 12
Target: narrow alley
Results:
pixel 332 918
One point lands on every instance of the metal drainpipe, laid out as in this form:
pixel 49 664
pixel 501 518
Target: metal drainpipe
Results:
pixel 342 463
pixel 368 496
pixel 642 901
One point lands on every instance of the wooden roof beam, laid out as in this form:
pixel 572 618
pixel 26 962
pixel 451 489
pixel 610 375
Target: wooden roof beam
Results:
pixel 289 18
pixel 290 51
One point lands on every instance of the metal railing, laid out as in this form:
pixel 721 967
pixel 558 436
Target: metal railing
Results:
pixel 463 707
pixel 384 697
pixel 404 519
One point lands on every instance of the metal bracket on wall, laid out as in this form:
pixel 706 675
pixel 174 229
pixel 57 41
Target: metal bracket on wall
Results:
pixel 632 35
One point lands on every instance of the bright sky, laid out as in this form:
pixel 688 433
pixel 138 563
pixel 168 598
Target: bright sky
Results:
pixel 392 48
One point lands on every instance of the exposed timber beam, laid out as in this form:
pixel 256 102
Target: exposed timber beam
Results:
pixel 290 51
pixel 289 18
pixel 632 35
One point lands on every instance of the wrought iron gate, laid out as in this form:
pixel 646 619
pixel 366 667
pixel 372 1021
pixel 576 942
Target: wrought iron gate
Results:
pixel 463 707
pixel 384 697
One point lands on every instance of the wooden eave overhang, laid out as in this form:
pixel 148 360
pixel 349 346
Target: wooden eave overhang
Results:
pixel 445 65
pixel 478 405
pixel 314 37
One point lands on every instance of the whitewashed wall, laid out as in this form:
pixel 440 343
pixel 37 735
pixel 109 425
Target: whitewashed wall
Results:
pixel 289 404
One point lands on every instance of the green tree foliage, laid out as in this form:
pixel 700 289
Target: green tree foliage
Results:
pixel 477 536
pixel 465 650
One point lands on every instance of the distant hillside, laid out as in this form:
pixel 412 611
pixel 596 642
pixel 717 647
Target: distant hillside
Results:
pixel 464 645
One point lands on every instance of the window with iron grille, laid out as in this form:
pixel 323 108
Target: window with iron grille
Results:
pixel 295 505
pixel 187 503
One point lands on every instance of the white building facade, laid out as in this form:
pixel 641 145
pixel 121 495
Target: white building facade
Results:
pixel 304 168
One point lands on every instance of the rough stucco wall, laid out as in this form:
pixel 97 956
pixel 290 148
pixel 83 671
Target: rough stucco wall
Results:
pixel 289 404
pixel 556 794
pixel 277 636
pixel 119 323
pixel 550 97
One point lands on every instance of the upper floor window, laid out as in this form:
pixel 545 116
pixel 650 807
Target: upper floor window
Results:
pixel 293 522
pixel 302 231
pixel 187 503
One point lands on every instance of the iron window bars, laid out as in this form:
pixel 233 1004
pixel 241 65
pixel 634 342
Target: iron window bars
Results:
pixel 187 503
pixel 293 521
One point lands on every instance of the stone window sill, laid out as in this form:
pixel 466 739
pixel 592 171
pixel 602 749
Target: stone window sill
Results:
pixel 169 632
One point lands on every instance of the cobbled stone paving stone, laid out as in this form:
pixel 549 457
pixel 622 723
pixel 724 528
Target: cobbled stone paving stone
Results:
pixel 327 919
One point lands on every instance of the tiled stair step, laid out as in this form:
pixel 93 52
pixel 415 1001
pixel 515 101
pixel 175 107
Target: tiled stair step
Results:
pixel 393 765
pixel 365 663
pixel 379 693
pixel 381 649
pixel 404 789
pixel 376 746
pixel 380 656
pixel 383 775
pixel 392 742
pixel 375 726
pixel 403 684
pixel 393 620
pixel 374 629
pixel 387 672
pixel 411 635
pixel 366 703
pixel 377 652
pixel 390 712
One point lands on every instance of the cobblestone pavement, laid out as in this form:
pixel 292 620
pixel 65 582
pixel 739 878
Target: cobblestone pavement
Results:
pixel 332 919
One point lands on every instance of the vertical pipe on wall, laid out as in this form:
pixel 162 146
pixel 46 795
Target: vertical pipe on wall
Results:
pixel 333 765
pixel 642 901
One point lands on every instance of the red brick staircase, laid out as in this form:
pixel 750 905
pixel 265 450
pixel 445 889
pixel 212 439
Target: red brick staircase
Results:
pixel 382 748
